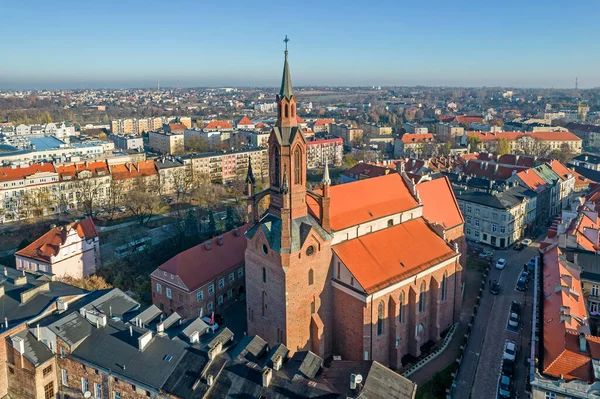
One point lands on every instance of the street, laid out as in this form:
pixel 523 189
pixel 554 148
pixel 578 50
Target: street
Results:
pixel 480 368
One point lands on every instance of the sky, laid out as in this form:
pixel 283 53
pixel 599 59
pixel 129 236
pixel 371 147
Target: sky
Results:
pixel 134 43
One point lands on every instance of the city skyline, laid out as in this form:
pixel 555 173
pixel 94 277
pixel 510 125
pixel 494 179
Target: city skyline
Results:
pixel 115 45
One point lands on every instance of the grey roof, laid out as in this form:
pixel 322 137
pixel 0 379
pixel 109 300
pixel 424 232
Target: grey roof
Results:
pixel 114 303
pixel 224 336
pixel 300 229
pixel 591 158
pixel 17 312
pixel 499 200
pixel 590 265
pixel 171 320
pixel 148 314
pixel 196 325
pixel 250 348
pixel 286 80
pixel 382 382
pixel 187 374
pixel 113 348
pixel 304 364
pixel 285 135
pixel 72 328
pixel 35 351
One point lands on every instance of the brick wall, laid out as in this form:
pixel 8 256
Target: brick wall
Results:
pixel 24 379
pixel 347 326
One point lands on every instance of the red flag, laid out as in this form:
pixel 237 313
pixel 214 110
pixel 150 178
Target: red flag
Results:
pixel 212 318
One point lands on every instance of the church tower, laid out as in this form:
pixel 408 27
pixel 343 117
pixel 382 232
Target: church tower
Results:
pixel 288 254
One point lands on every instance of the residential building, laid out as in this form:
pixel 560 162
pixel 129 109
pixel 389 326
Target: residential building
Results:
pixel 413 145
pixel 128 142
pixel 223 167
pixel 52 149
pixel 364 170
pixel 83 185
pixel 213 136
pixel 542 180
pixel 588 161
pixel 174 176
pixel 416 128
pixel 103 345
pixel 72 250
pixel 447 131
pixel 499 215
pixel 245 124
pixel 567 183
pixel 166 143
pixel 203 279
pixel 321 150
pixel 348 133
pixel 590 134
pixel 322 125
pixel 174 128
pixel 376 130
pixel 321 274
pixel 133 176
pixel 221 126
pixel 532 143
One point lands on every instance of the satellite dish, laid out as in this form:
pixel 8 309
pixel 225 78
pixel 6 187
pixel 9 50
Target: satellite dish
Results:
pixel 87 394
pixel 358 379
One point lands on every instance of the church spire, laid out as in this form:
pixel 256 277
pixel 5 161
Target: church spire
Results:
pixel 286 80
pixel 326 179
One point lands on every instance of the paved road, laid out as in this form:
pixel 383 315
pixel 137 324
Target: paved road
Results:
pixel 478 376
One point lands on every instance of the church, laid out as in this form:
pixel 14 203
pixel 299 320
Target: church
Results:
pixel 368 270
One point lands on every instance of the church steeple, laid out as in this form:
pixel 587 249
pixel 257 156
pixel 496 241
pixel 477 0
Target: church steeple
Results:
pixel 286 101
pixel 286 80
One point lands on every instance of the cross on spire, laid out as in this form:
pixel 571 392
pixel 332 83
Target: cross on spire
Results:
pixel 286 40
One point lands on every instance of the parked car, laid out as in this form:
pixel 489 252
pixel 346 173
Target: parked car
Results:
pixel 525 273
pixel 514 315
pixel 504 387
pixel 519 246
pixel 508 367
pixel 501 263
pixel 510 351
pixel 531 264
pixel 526 242
pixel 495 287
pixel 521 283
pixel 214 326
pixel 486 253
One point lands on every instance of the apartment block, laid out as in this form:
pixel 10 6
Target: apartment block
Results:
pixel 321 150
pixel 222 167
pixel 166 143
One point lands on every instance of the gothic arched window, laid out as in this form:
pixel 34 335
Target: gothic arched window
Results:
pixel 311 278
pixel 264 304
pixel 422 297
pixel 276 167
pixel 401 308
pixel 297 167
pixel 293 111
pixel 287 111
pixel 380 318
pixel 444 287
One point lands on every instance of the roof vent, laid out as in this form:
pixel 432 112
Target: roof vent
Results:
pixel 207 245
pixel 236 232
pixel 355 381
pixel 209 380
pixel 220 240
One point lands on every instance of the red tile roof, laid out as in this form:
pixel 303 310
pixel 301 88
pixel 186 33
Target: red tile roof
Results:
pixel 72 169
pixel 409 138
pixel 218 125
pixel 365 170
pixel 176 126
pixel 198 265
pixel 491 170
pixel 377 261
pixel 129 170
pixel 49 244
pixel 8 174
pixel 560 169
pixel 466 119
pixel 298 119
pixel 581 181
pixel 245 121
pixel 439 203
pixel 520 160
pixel 260 125
pixel 511 136
pixel 366 200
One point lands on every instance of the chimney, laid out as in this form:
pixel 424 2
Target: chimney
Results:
pixel 220 240
pixel 277 362
pixel 582 343
pixel 207 245
pixel 38 331
pixel 19 344
pixel 267 375
pixel 236 232
pixel 131 331
pixel 209 380
pixel 5 271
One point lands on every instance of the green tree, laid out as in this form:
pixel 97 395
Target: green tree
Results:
pixel 191 224
pixel 503 146
pixel 230 219
pixel 473 142
pixel 212 225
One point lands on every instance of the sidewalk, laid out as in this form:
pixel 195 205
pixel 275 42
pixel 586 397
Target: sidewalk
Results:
pixel 452 351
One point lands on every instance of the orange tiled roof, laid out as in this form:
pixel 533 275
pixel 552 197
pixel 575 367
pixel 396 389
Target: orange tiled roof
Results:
pixel 562 289
pixel 298 119
pixel 466 119
pixel 366 200
pixel 408 138
pixel 559 169
pixel 511 136
pixel 49 244
pixel 245 121
pixel 176 126
pixel 129 170
pixel 72 169
pixel 218 125
pixel 532 179
pixel 197 265
pixel 323 122
pixel 377 261
pixel 439 203
pixel 582 181
pixel 8 174
pixel 260 125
